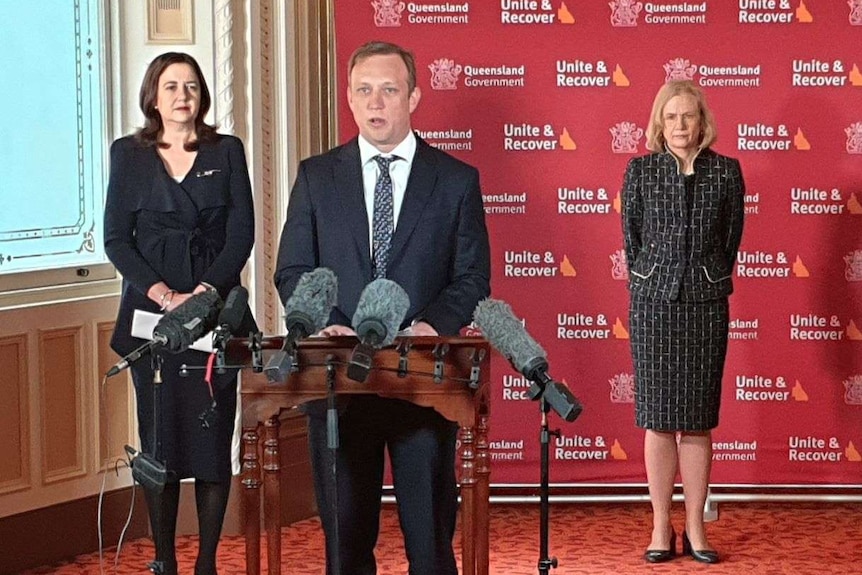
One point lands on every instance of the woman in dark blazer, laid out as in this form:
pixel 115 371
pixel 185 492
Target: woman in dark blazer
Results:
pixel 682 223
pixel 179 220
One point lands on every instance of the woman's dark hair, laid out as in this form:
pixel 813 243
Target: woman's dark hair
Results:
pixel 152 128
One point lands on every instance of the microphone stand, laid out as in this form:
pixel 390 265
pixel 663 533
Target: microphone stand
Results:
pixel 546 563
pixel 157 566
pixel 332 444
pixel 551 395
pixel 255 344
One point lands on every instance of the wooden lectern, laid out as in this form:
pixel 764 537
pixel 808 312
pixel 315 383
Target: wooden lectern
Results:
pixel 449 374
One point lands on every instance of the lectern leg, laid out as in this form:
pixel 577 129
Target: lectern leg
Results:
pixel 272 495
pixel 251 499
pixel 483 493
pixel 468 502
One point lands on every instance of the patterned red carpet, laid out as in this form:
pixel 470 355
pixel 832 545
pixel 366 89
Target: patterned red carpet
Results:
pixel 587 539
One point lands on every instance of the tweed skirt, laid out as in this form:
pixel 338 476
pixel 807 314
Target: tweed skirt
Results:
pixel 679 350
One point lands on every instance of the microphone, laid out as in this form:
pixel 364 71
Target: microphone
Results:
pixel 230 320
pixel 231 317
pixel 507 335
pixel 189 321
pixel 306 312
pixel 135 355
pixel 381 309
pixel 177 329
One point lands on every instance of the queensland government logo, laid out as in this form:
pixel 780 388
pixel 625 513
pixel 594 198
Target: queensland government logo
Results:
pixel 619 269
pixel 854 137
pixel 446 73
pixel 625 137
pixel 734 450
pixel 745 329
pixel 449 140
pixel 622 388
pixel 855 12
pixel 625 13
pixel 853 266
pixel 853 390
pixel 722 76
pixel 388 13
pixel 505 203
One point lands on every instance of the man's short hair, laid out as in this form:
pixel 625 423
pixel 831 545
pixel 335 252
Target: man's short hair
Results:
pixel 377 48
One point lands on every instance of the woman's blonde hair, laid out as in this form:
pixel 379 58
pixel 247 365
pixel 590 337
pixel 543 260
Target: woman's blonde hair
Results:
pixel 655 136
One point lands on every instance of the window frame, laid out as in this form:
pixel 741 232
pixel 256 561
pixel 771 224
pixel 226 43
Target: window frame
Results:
pixel 58 283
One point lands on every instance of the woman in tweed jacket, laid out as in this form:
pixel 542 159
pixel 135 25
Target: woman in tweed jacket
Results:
pixel 682 223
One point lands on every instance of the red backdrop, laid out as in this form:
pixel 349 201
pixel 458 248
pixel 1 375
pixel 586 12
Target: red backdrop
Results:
pixel 550 99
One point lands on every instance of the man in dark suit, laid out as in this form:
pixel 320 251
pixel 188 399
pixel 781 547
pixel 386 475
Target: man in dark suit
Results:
pixel 437 250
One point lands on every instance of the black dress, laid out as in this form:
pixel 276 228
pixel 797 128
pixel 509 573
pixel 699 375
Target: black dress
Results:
pixel 200 229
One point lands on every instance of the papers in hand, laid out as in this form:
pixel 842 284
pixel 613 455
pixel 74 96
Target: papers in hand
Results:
pixel 144 322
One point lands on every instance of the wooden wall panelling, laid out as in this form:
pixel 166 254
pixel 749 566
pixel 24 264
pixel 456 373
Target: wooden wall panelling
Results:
pixel 14 415
pixel 62 400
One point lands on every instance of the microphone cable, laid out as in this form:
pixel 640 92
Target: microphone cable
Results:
pixel 105 436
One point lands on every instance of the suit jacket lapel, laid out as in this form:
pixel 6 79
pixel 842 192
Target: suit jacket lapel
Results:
pixel 166 195
pixel 350 192
pixel 420 186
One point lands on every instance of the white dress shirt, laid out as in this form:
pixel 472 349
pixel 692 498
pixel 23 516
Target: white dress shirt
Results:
pixel 399 172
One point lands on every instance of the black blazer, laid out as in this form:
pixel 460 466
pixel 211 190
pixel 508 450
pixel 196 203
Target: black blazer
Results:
pixel 198 230
pixel 679 246
pixel 439 255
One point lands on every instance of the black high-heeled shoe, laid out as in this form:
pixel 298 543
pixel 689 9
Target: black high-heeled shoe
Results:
pixel 702 555
pixel 662 555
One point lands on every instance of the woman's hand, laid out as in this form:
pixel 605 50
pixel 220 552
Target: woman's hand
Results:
pixel 177 300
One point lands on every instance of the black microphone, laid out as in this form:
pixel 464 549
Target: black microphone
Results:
pixel 381 309
pixel 230 321
pixel 507 335
pixel 138 353
pixel 189 321
pixel 306 312
pixel 177 329
pixel 231 317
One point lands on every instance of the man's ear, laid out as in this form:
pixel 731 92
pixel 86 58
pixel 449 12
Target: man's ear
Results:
pixel 415 96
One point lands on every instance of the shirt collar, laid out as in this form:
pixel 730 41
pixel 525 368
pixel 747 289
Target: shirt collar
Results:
pixel 679 161
pixel 404 150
